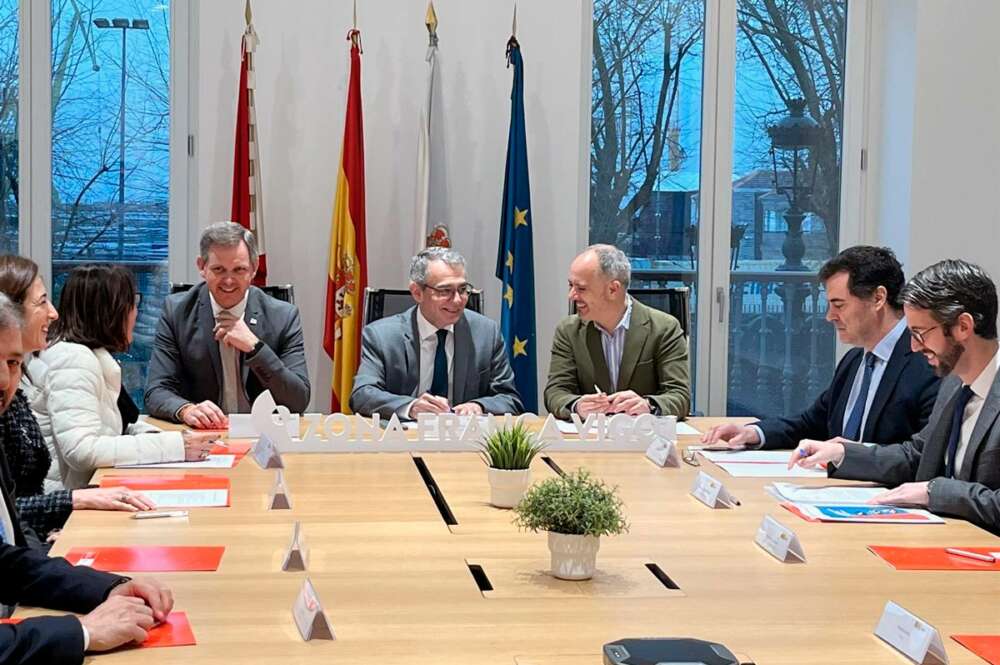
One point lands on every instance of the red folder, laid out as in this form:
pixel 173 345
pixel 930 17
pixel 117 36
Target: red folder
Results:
pixel 147 559
pixel 986 647
pixel 184 481
pixel 933 558
pixel 237 447
pixel 174 632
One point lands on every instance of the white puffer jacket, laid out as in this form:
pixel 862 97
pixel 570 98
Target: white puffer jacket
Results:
pixel 77 409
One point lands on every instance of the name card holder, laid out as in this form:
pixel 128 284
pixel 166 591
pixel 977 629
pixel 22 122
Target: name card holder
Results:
pixel 779 541
pixel 910 635
pixel 712 492
pixel 278 499
pixel 297 554
pixel 266 454
pixel 309 615
pixel 663 452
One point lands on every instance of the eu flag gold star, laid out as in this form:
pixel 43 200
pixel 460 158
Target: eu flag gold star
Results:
pixel 520 217
pixel 509 295
pixel 510 261
pixel 519 347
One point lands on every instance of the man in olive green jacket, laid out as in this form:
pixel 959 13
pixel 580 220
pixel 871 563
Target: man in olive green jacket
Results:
pixel 615 355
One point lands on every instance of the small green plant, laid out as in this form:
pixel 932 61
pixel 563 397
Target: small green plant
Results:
pixel 510 448
pixel 575 504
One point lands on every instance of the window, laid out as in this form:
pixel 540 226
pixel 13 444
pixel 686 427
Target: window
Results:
pixel 9 98
pixel 110 151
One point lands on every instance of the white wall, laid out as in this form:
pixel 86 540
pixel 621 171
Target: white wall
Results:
pixel 935 133
pixel 302 65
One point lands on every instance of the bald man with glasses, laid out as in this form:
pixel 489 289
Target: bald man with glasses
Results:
pixel 437 356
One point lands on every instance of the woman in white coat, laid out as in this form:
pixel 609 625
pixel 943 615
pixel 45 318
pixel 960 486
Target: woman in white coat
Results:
pixel 83 382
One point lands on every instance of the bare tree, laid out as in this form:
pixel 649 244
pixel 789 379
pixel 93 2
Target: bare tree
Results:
pixel 639 47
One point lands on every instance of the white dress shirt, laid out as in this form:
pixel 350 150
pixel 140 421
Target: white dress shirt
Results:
pixel 613 343
pixel 882 352
pixel 231 383
pixel 980 389
pixel 428 349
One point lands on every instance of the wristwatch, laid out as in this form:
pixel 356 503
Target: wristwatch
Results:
pixel 256 348
pixel 930 488
pixel 654 408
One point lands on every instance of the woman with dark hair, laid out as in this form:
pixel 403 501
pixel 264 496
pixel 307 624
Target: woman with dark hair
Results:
pixel 28 459
pixel 83 383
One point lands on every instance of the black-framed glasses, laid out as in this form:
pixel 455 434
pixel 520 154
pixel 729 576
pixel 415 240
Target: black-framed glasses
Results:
pixel 921 335
pixel 449 292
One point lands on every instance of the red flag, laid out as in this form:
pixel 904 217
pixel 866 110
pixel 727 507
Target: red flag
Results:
pixel 247 210
pixel 348 264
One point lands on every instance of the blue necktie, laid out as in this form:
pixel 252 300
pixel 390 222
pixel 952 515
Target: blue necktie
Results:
pixel 852 430
pixel 964 395
pixel 439 384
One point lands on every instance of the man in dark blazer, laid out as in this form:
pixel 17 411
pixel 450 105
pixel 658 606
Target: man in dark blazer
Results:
pixel 222 343
pixel 436 357
pixel 882 392
pixel 952 465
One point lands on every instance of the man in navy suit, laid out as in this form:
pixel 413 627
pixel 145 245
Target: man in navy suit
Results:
pixel 119 610
pixel 881 392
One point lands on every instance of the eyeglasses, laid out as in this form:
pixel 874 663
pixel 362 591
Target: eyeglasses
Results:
pixel 449 292
pixel 690 456
pixel 921 335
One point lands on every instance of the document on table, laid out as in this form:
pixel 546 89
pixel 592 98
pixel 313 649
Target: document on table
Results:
pixel 766 470
pixel 747 456
pixel 839 494
pixel 856 513
pixel 189 498
pixel 212 462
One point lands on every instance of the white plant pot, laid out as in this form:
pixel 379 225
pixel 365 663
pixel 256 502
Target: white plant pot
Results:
pixel 507 487
pixel 573 557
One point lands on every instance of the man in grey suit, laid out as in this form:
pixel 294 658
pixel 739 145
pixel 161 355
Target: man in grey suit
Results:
pixel 436 357
pixel 222 343
pixel 952 466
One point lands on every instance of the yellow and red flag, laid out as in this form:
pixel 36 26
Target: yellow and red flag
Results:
pixel 247 209
pixel 348 267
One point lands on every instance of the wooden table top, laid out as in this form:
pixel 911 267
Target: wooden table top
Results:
pixel 395 582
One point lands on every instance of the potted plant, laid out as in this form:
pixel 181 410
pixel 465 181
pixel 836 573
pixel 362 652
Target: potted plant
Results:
pixel 576 510
pixel 508 452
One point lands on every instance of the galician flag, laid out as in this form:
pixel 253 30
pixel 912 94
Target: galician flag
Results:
pixel 427 233
pixel 247 209
pixel 348 264
pixel 515 256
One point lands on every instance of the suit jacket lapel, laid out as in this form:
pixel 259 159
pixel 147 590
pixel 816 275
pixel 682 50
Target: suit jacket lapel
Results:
pixel 635 340
pixel 206 319
pixel 411 354
pixel 897 361
pixel 987 415
pixel 460 360
pixel 849 371
pixel 602 377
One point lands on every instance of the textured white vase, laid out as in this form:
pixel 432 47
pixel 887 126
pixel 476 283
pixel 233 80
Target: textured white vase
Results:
pixel 573 557
pixel 508 486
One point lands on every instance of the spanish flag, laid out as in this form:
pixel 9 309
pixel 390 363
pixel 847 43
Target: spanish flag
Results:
pixel 348 266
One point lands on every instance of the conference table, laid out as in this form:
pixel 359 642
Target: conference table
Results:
pixel 395 582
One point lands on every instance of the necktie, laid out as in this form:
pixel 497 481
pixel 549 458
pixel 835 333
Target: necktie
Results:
pixel 852 430
pixel 439 384
pixel 230 375
pixel 955 433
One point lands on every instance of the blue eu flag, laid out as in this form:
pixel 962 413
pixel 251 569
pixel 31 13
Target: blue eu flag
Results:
pixel 515 258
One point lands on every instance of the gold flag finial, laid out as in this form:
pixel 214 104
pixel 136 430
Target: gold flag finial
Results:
pixel 248 13
pixel 431 20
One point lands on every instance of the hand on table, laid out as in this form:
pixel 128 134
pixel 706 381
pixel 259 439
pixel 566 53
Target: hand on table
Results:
pixel 204 415
pixel 469 409
pixel 907 494
pixel 111 498
pixel 428 403
pixel 733 436
pixel 197 445
pixel 628 402
pixel 595 403
pixel 811 454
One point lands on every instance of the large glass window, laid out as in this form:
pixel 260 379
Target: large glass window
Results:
pixel 646 140
pixel 9 97
pixel 789 114
pixel 110 150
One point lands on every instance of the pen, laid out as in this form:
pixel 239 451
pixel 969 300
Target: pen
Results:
pixel 598 389
pixel 970 555
pixel 159 513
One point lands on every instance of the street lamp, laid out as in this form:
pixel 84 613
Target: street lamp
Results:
pixel 124 25
pixel 795 133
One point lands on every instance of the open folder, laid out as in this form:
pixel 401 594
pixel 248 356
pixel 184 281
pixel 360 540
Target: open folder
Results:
pixel 188 490
pixel 986 647
pixel 147 558
pixel 933 558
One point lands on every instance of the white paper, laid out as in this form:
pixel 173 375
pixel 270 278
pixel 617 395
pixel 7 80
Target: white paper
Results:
pixel 684 428
pixel 909 634
pixel 757 470
pixel 192 498
pixel 754 456
pixel 837 494
pixel 211 462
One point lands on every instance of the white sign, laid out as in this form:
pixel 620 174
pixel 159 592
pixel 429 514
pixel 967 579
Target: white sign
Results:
pixel 265 454
pixel 241 425
pixel 778 540
pixel 711 492
pixel 910 635
pixel 663 452
pixel 279 495
pixel 297 556
pixel 309 615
